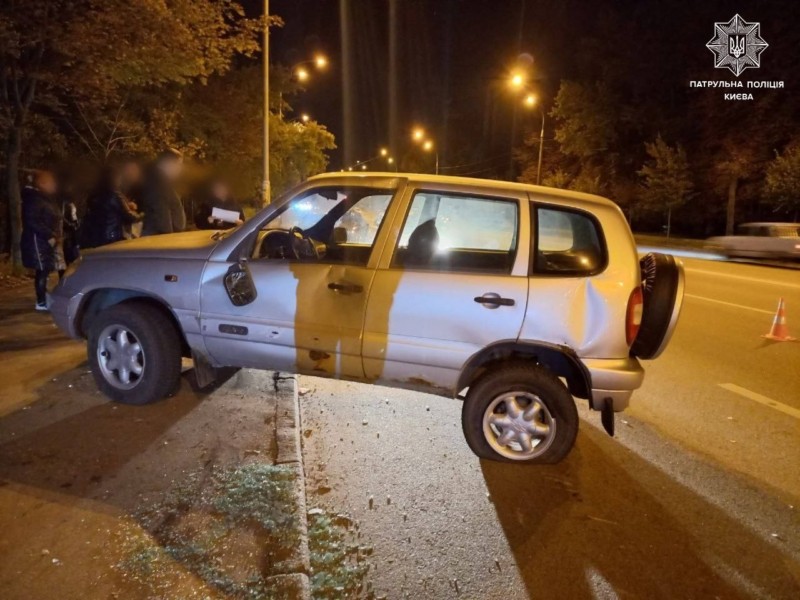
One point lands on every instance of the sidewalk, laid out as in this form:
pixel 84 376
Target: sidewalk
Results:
pixel 196 496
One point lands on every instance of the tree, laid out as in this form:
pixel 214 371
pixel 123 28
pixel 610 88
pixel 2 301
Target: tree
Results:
pixel 69 60
pixel 782 182
pixel 221 120
pixel 587 131
pixel 667 180
pixel 585 119
pixel 738 164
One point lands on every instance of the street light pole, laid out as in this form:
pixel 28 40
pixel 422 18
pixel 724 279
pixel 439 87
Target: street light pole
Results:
pixel 265 188
pixel 541 149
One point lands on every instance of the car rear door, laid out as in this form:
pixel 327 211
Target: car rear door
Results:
pixel 452 279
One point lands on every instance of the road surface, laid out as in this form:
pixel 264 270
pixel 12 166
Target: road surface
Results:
pixel 697 497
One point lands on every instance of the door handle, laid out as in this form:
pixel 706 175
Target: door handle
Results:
pixel 345 288
pixel 492 300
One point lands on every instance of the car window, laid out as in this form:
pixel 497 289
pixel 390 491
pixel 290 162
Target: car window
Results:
pixel 331 225
pixel 453 232
pixel 361 221
pixel 567 242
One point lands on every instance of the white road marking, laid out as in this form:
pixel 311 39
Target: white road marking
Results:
pixel 789 410
pixel 743 278
pixel 742 306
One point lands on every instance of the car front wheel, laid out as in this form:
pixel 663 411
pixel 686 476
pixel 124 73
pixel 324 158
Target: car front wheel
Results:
pixel 134 353
pixel 520 413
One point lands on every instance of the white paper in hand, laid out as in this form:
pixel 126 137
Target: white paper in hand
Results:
pixel 229 216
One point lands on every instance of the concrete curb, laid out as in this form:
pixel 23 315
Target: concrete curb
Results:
pixel 289 453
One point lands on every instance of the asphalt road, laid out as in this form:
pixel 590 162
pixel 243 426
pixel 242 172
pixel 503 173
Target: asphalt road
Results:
pixel 697 497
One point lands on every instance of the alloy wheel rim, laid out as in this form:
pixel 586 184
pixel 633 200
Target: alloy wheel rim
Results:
pixel 518 425
pixel 121 357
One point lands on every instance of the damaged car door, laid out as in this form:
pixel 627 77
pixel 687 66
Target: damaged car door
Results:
pixel 310 267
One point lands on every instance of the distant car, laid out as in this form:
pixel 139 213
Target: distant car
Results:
pixel 512 297
pixel 761 240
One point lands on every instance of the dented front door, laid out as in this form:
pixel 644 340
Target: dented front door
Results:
pixel 308 312
pixel 306 318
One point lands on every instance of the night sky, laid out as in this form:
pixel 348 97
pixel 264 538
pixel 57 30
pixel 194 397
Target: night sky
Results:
pixel 452 56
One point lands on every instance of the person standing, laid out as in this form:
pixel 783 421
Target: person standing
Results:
pixel 131 188
pixel 109 216
pixel 160 201
pixel 218 196
pixel 71 226
pixel 41 223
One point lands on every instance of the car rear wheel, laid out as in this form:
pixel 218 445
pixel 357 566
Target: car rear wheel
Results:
pixel 134 353
pixel 520 413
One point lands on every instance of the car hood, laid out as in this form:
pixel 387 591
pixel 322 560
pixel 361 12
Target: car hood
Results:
pixel 189 244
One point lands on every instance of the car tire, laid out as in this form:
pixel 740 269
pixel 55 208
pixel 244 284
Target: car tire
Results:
pixel 662 288
pixel 525 400
pixel 134 336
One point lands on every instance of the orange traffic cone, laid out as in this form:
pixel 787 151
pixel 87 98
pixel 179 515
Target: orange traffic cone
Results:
pixel 779 331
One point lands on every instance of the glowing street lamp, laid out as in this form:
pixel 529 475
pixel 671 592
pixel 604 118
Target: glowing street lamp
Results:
pixel 384 152
pixel 301 74
pixel 305 118
pixel 517 80
pixel 428 146
pixel 321 61
pixel 530 101
pixel 418 134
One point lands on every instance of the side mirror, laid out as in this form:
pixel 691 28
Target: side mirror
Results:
pixel 239 284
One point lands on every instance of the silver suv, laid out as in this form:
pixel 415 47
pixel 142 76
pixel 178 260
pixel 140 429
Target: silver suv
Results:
pixel 513 298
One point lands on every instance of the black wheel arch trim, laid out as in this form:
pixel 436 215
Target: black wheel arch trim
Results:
pixel 561 360
pixel 99 299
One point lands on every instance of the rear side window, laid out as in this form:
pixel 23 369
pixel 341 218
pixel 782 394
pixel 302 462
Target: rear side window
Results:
pixel 453 232
pixel 567 243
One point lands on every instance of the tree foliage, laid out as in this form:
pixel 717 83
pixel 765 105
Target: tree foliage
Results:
pixel 667 181
pixel 222 120
pixel 585 124
pixel 612 99
pixel 782 181
pixel 76 63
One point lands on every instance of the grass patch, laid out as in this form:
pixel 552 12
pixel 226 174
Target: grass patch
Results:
pixel 224 534
pixel 338 567
pixel 229 531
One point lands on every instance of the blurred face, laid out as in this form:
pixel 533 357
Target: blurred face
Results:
pixel 220 190
pixel 172 167
pixel 131 173
pixel 46 183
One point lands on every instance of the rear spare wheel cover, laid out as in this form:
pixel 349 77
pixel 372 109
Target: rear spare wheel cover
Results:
pixel 662 284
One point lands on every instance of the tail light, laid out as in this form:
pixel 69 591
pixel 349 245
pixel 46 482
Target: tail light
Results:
pixel 633 316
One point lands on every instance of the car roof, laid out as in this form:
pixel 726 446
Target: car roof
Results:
pixel 769 224
pixel 421 179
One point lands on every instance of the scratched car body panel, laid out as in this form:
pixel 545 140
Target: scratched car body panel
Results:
pixel 405 280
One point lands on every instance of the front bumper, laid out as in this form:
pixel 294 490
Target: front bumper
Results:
pixel 64 309
pixel 615 380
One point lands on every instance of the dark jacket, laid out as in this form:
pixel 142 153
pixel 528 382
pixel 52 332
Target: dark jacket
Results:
pixel 108 219
pixel 71 228
pixel 163 210
pixel 41 223
pixel 205 207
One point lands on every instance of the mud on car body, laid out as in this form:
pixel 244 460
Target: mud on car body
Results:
pixel 513 298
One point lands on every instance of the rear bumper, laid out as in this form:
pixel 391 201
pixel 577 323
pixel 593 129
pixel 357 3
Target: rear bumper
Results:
pixel 615 380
